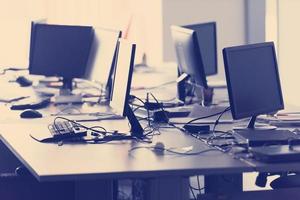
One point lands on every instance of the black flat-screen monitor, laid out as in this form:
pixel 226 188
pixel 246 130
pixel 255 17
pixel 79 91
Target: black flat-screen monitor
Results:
pixel 188 54
pixel 253 80
pixel 60 50
pixel 207 38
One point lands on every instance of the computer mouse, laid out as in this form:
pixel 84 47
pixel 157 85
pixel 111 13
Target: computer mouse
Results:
pixel 29 113
pixel 23 81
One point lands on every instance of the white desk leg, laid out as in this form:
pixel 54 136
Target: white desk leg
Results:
pixel 175 188
pixel 92 190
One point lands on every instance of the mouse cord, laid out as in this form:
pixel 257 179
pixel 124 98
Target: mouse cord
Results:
pixel 171 150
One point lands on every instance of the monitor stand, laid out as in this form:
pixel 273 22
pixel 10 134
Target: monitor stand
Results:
pixel 251 126
pixel 65 93
pixel 205 95
pixel 136 128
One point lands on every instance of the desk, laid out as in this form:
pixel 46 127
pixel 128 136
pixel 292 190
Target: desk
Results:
pixel 50 162
pixel 93 167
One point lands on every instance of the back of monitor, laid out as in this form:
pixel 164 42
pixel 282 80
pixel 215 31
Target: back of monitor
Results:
pixel 102 54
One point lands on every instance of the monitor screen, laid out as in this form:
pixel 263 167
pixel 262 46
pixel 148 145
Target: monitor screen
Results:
pixel 253 80
pixel 188 54
pixel 60 50
pixel 207 38
pixel 122 76
pixel 102 54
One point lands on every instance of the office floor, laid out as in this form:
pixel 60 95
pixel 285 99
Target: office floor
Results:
pixel 249 182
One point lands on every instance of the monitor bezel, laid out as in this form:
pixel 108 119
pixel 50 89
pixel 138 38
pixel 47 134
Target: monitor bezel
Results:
pixel 235 114
pixel 130 76
pixel 214 25
pixel 32 28
pixel 124 111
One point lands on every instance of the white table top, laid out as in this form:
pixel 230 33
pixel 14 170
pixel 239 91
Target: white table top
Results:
pixel 49 162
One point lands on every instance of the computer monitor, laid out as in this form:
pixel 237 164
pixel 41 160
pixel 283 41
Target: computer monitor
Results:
pixel 188 54
pixel 102 58
pixel 102 54
pixel 253 80
pixel 207 38
pixel 121 85
pixel 60 50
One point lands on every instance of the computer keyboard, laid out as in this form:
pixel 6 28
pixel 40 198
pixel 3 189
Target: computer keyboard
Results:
pixel 66 129
pixel 43 103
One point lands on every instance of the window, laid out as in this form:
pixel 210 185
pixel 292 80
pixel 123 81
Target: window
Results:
pixel 283 26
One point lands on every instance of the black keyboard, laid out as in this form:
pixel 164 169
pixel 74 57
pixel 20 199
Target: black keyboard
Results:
pixel 43 103
pixel 66 129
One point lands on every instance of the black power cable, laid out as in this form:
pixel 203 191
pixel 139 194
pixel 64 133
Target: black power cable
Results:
pixel 12 69
pixel 218 119
pixel 208 116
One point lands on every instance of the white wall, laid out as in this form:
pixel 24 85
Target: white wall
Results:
pixel 16 9
pixel 229 15
pixel 15 18
pixel 272 22
pixel 114 14
pixel 289 44
pixel 84 12
pixel 150 19
pixel 153 31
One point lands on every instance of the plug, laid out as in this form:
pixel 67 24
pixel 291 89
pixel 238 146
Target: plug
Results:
pixel 199 129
